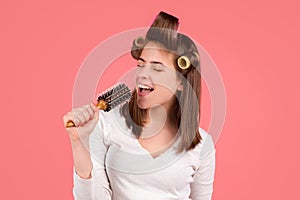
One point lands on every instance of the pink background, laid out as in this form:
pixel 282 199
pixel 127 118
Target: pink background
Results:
pixel 255 45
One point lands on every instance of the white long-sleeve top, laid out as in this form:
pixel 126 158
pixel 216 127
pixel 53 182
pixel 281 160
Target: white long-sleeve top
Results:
pixel 124 170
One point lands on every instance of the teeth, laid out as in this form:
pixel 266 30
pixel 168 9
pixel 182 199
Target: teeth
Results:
pixel 144 87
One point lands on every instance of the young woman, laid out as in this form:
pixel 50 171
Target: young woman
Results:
pixel 152 147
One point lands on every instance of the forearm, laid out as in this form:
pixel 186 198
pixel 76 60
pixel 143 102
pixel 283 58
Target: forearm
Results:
pixel 81 157
pixel 90 179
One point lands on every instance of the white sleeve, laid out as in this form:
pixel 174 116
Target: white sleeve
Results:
pixel 97 187
pixel 202 186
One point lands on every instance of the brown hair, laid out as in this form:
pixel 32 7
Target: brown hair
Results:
pixel 186 107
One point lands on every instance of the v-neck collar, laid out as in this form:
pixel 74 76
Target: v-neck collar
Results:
pixel 173 147
pixel 142 161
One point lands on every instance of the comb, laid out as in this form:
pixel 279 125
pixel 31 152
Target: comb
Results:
pixel 110 99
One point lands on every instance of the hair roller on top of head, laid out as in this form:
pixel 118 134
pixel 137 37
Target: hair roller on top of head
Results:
pixel 164 30
pixel 165 20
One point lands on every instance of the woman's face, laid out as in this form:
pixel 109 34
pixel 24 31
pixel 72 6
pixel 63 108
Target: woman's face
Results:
pixel 156 80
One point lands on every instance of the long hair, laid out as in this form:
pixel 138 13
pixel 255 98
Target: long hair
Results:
pixel 186 107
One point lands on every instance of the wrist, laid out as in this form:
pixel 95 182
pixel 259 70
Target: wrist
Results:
pixel 78 142
pixel 75 136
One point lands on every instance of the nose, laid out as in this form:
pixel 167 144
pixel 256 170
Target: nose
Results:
pixel 144 72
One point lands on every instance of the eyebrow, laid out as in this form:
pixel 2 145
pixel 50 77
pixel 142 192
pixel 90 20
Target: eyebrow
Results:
pixel 152 62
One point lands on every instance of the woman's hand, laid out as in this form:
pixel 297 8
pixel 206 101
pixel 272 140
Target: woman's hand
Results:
pixel 85 119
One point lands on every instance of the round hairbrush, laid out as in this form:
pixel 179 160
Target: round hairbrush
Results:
pixel 110 99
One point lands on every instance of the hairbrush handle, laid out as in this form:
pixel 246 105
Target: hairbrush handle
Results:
pixel 102 105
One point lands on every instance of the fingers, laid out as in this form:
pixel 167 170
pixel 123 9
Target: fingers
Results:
pixel 70 116
pixel 82 115
pixel 95 108
pixel 89 109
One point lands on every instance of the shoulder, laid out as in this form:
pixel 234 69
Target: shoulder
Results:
pixel 206 145
pixel 112 124
pixel 111 118
pixel 205 136
pixel 105 124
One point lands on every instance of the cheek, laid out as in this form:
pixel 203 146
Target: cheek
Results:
pixel 165 94
pixel 166 80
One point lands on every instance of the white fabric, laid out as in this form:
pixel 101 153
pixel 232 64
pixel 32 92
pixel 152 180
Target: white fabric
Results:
pixel 124 170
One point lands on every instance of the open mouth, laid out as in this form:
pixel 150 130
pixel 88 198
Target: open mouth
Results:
pixel 144 90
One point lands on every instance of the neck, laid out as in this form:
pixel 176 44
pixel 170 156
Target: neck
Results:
pixel 157 120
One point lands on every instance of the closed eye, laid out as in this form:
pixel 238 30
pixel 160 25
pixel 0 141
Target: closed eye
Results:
pixel 159 69
pixel 141 62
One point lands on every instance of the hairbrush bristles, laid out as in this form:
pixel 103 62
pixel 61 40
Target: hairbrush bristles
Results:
pixel 115 96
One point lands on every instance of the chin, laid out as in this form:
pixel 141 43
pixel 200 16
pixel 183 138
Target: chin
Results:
pixel 143 106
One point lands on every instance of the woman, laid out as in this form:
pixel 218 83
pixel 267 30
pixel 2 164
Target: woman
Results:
pixel 152 147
